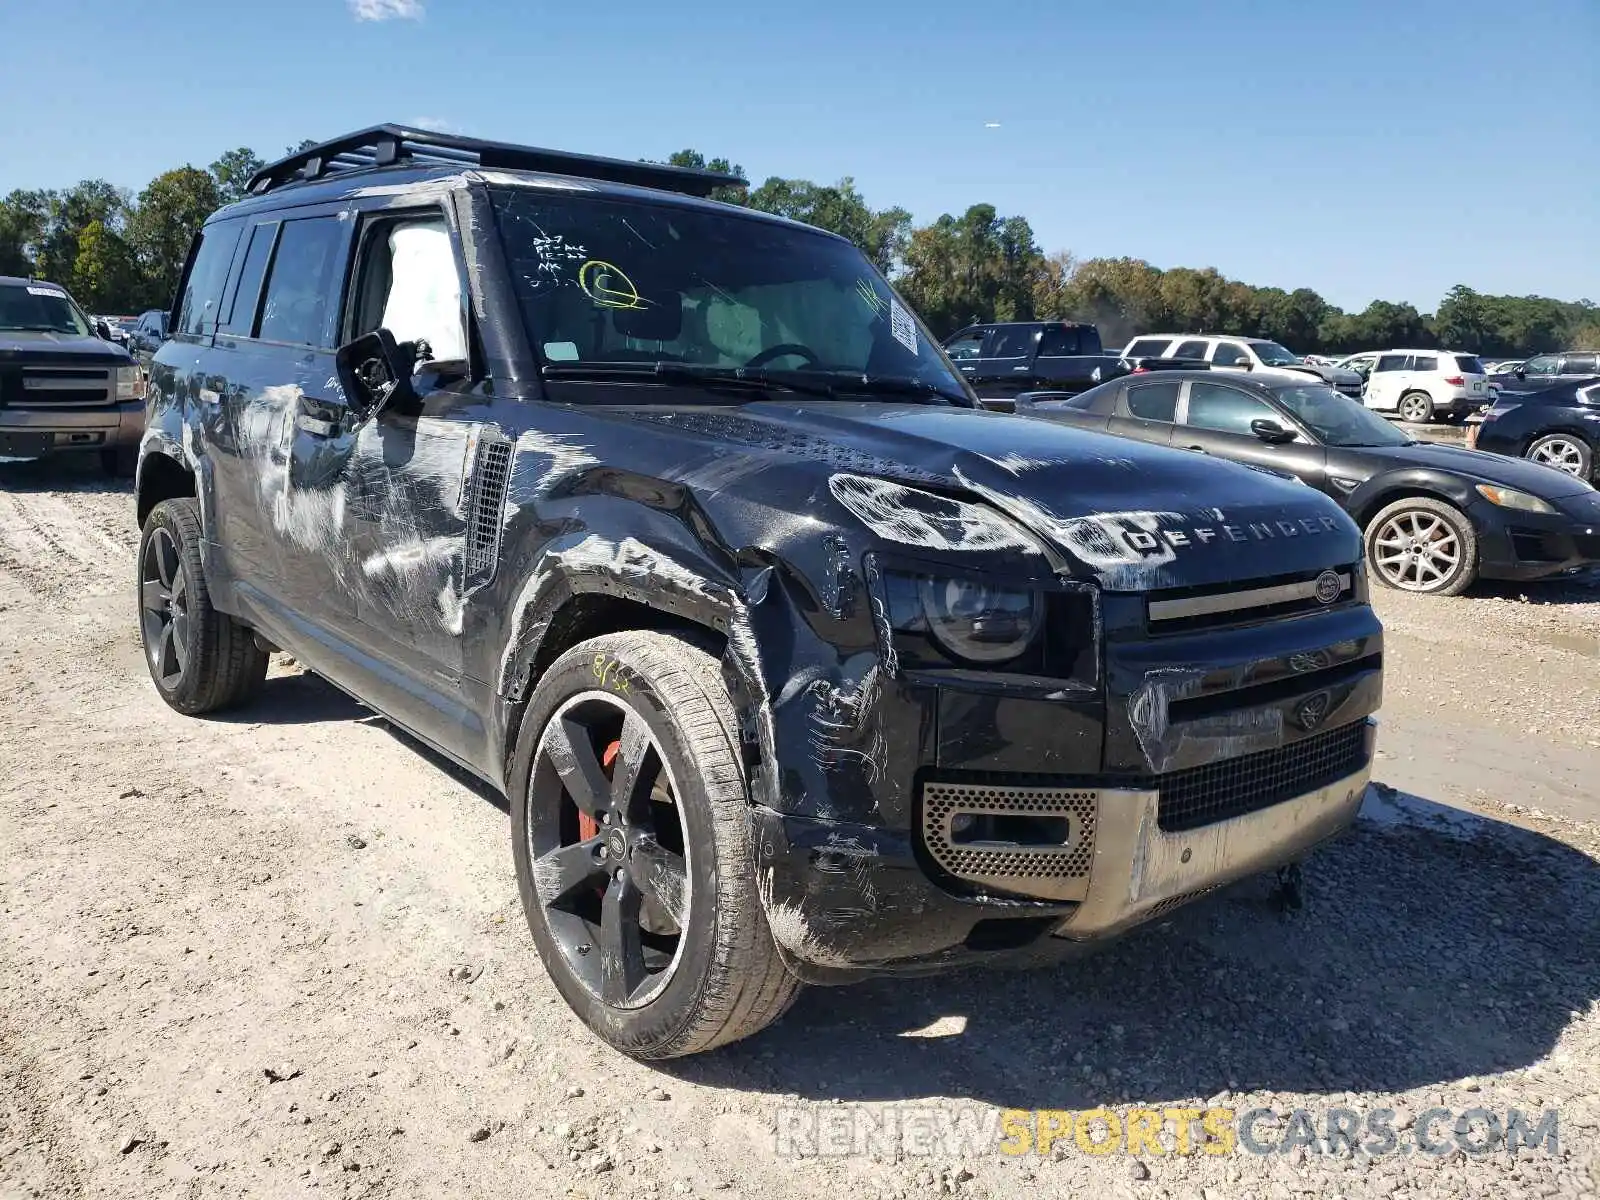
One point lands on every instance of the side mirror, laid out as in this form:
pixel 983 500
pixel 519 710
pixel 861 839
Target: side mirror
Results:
pixel 1271 432
pixel 375 372
pixel 102 331
pixel 1244 364
pixel 1521 372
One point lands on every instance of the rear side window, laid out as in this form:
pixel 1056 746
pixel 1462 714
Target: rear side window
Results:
pixel 1390 362
pixel 1228 354
pixel 1154 401
pixel 297 304
pixel 1058 340
pixel 241 316
pixel 1146 348
pixel 1579 364
pixel 1425 362
pixel 1469 365
pixel 1190 349
pixel 202 287
pixel 1012 341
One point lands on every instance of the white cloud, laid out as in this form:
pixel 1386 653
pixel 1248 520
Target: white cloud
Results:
pixel 386 10
pixel 436 124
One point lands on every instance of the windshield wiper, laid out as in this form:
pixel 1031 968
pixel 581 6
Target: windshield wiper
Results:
pixel 739 378
pixel 899 385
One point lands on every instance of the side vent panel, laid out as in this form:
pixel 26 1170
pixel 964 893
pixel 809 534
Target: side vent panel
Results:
pixel 486 505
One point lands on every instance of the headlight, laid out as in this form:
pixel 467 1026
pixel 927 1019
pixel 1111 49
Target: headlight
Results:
pixel 1510 498
pixel 978 622
pixel 130 383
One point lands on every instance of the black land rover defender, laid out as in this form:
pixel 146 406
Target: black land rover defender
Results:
pixel 669 519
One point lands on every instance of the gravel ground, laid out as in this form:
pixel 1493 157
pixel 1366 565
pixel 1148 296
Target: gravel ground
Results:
pixel 282 954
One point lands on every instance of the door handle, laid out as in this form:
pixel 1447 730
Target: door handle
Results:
pixel 1198 449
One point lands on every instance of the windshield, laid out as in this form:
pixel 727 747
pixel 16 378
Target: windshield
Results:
pixel 1337 420
pixel 1273 355
pixel 40 307
pixel 626 285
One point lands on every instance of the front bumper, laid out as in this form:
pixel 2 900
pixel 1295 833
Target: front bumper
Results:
pixel 1525 546
pixel 850 901
pixel 36 432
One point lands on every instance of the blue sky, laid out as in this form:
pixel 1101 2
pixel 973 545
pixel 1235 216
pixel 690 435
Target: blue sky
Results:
pixel 1366 148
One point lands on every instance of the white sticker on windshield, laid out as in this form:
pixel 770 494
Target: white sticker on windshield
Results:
pixel 561 351
pixel 902 326
pixel 39 291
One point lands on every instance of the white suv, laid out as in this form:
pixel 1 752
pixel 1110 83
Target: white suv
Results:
pixel 1240 354
pixel 1420 385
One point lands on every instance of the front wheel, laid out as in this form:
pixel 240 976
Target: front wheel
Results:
pixel 1423 545
pixel 632 840
pixel 1416 407
pixel 1563 451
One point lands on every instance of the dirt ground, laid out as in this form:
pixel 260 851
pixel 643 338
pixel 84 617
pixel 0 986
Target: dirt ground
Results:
pixel 281 953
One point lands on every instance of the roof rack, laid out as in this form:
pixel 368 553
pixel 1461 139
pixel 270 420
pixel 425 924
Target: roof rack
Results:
pixel 389 145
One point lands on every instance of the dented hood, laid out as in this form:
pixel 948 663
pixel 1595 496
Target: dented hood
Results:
pixel 1132 516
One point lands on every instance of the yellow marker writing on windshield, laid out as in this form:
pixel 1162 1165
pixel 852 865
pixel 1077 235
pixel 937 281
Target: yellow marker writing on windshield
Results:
pixel 608 285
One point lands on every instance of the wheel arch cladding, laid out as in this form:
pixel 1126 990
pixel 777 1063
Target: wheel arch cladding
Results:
pixel 161 477
pixel 583 582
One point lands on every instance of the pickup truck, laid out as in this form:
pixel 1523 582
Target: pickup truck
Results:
pixel 1005 359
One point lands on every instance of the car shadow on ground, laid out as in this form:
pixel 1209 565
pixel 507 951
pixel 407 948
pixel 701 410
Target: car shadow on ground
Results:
pixel 63 472
pixel 1572 589
pixel 1423 956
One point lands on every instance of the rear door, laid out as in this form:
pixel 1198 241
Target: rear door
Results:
pixel 1147 409
pixel 1215 419
pixel 1061 355
pixel 1579 366
pixel 1006 368
pixel 1387 381
pixel 281 420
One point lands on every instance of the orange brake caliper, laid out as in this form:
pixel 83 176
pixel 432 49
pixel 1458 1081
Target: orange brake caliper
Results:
pixel 588 827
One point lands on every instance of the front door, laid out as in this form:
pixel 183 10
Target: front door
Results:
pixel 1216 417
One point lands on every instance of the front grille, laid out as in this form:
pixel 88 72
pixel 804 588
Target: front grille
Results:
pixel 1233 787
pixel 58 387
pixel 1184 610
pixel 1044 846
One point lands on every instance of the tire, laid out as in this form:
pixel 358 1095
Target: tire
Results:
pixel 119 462
pixel 1416 407
pixel 216 662
pixel 720 977
pixel 1564 451
pixel 1398 540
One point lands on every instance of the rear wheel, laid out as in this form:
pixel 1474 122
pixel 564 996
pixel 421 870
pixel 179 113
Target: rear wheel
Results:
pixel 632 840
pixel 1416 407
pixel 1563 451
pixel 1423 545
pixel 200 660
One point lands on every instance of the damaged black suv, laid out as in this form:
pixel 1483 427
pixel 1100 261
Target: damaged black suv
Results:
pixel 670 519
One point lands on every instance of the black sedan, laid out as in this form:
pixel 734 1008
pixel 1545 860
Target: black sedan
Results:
pixel 1435 517
pixel 1558 426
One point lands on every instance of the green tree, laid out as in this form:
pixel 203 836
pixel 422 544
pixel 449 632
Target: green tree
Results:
pixel 24 216
pixel 170 210
pixel 697 161
pixel 841 209
pixel 232 172
pixel 975 267
pixel 105 277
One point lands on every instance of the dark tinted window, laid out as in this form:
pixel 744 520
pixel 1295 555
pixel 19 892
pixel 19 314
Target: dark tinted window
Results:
pixel 1154 401
pixel 1468 365
pixel 1226 409
pixel 1579 364
pixel 968 345
pixel 1227 354
pixel 202 288
pixel 241 316
pixel 1190 349
pixel 1012 341
pixel 296 305
pixel 1390 362
pixel 1425 362
pixel 42 307
pixel 1146 348
pixel 1057 340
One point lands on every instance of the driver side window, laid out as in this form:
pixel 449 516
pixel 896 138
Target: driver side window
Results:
pixel 1227 354
pixel 410 286
pixel 1544 364
pixel 1224 409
